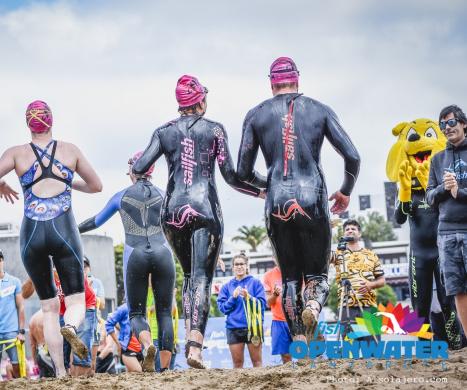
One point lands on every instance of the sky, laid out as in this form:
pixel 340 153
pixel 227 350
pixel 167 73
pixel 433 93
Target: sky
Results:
pixel 108 70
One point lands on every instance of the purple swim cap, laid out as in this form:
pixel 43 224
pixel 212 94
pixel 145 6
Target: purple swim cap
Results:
pixel 39 117
pixel 189 91
pixel 283 70
pixel 135 158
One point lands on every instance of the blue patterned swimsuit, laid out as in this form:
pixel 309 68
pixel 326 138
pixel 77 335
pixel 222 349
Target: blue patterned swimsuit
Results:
pixel 43 209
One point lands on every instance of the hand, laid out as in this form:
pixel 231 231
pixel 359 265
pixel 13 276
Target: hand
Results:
pixel 236 292
pixel 262 194
pixel 365 287
pixel 341 202
pixel 7 192
pixel 405 181
pixel 454 191
pixel 422 172
pixel 221 264
pixel 449 180
pixel 277 291
pixel 21 337
pixel 244 292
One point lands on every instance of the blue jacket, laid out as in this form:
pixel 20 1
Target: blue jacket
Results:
pixel 120 316
pixel 234 307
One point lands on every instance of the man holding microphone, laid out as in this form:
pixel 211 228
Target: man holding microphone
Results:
pixel 447 191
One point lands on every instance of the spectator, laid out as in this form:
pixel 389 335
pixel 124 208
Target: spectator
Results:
pixel 98 288
pixel 128 345
pixel 365 274
pixel 280 333
pixel 12 317
pixel 239 300
pixel 40 355
pixel 447 192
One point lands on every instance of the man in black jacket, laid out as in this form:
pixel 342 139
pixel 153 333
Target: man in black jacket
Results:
pixel 447 190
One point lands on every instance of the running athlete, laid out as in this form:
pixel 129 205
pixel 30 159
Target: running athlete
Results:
pixel 45 168
pixel 297 217
pixel 146 252
pixel 191 216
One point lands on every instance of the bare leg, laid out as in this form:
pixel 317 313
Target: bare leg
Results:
pixel 52 336
pixel 255 354
pixel 286 358
pixel 131 364
pixel 74 316
pixel 237 351
pixel 165 357
pixel 461 305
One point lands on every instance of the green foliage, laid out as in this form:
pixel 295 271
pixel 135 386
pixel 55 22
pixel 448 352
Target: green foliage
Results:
pixel 385 295
pixel 253 236
pixel 375 228
pixel 118 252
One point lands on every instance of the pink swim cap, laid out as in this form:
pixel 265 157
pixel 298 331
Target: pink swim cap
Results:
pixel 189 91
pixel 39 117
pixel 283 70
pixel 135 158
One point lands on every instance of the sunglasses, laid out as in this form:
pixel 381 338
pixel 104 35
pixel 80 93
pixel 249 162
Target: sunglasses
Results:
pixel 450 122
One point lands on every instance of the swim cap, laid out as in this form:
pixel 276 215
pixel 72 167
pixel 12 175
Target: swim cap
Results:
pixel 135 158
pixel 189 91
pixel 283 70
pixel 39 116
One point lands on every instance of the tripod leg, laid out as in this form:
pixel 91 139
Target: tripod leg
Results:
pixel 339 319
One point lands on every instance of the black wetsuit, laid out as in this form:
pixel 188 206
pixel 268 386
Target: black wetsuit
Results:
pixel 192 217
pixel 297 216
pixel 424 264
pixel 146 252
pixel 49 229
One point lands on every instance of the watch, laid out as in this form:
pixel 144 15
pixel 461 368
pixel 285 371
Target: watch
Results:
pixel 22 331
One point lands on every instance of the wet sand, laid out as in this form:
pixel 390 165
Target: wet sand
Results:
pixel 428 375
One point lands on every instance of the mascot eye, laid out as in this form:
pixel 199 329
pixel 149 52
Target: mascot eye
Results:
pixel 411 132
pixel 431 133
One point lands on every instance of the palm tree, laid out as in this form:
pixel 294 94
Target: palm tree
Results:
pixel 253 236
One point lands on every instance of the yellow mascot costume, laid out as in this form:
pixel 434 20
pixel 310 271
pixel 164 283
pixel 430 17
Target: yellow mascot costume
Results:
pixel 408 164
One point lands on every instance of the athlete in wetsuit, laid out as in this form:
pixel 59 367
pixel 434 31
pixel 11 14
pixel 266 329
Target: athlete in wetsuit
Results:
pixel 146 253
pixel 424 264
pixel 45 169
pixel 191 216
pixel 297 218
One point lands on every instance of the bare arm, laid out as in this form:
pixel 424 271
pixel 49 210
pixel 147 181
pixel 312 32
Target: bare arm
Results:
pixel 91 182
pixel 271 298
pixel 27 289
pixel 21 317
pixel 7 164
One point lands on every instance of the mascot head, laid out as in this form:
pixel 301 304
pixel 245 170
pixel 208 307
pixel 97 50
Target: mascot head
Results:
pixel 417 142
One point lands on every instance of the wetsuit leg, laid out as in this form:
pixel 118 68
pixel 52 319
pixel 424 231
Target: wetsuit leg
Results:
pixel 180 241
pixel 65 245
pixel 136 286
pixel 163 282
pixel 421 284
pixel 302 253
pixel 36 258
pixel 206 243
pixel 453 329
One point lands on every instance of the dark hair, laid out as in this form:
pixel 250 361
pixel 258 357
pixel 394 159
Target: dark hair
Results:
pixel 192 108
pixel 86 262
pixel 284 85
pixel 241 255
pixel 456 110
pixel 1 255
pixel 352 222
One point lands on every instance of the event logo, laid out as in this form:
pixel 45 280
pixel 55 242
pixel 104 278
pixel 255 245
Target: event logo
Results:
pixel 387 320
pixel 397 320
pixel 291 209
pixel 185 215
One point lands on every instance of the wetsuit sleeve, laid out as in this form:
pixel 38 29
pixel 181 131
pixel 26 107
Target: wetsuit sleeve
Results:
pixel 402 210
pixel 112 320
pixel 112 206
pixel 247 156
pixel 225 302
pixel 152 152
pixel 435 191
pixel 226 166
pixel 344 146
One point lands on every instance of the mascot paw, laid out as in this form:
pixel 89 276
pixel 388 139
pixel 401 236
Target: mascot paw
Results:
pixel 405 181
pixel 422 173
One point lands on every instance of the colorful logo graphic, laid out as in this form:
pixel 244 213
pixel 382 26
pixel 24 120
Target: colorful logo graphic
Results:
pixel 184 215
pixel 397 320
pixel 290 210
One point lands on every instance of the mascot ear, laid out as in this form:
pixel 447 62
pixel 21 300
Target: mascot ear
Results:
pixel 397 130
